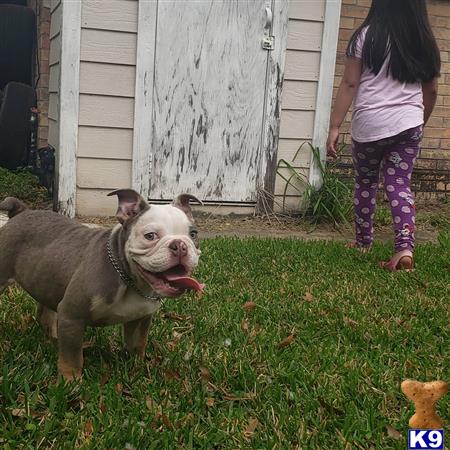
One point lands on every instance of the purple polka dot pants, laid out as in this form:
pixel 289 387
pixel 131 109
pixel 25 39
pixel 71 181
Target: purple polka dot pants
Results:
pixel 395 156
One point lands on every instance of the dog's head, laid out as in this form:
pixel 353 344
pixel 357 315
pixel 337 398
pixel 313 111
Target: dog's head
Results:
pixel 161 242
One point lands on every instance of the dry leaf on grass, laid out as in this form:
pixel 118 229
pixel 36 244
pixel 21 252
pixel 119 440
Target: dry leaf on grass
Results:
pixel 210 402
pixel 88 428
pixel 308 297
pixel 170 374
pixel 119 388
pixel 251 428
pixel 393 433
pixel 286 342
pixel 352 323
pixel 151 404
pixel 248 306
pixel 166 421
pixel 245 325
pixel 105 378
pixel 174 316
pixel 232 398
pixel 205 374
pixel 171 345
pixel 18 412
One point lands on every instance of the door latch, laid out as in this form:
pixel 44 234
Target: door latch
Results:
pixel 268 43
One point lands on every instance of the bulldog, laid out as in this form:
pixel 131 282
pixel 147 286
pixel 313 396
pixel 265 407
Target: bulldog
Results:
pixel 85 276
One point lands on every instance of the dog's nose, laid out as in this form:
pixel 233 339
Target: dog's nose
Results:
pixel 178 247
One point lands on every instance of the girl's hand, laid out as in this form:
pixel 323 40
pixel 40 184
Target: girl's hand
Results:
pixel 332 140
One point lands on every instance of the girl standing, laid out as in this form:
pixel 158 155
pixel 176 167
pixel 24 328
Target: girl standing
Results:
pixel 390 75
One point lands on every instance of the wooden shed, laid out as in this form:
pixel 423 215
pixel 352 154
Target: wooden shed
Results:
pixel 172 96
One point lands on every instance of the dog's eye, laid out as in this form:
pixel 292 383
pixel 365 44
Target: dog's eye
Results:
pixel 194 234
pixel 150 236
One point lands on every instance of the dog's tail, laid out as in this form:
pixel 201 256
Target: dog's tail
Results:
pixel 12 206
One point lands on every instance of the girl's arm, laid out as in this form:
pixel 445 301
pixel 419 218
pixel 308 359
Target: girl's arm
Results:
pixel 430 90
pixel 346 93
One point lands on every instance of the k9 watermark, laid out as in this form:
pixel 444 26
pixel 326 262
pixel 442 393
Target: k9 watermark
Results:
pixel 426 439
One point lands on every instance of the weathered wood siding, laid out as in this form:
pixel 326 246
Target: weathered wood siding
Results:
pixel 107 86
pixel 54 72
pixel 304 46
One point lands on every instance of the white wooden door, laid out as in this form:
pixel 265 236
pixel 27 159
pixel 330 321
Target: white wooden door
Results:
pixel 208 99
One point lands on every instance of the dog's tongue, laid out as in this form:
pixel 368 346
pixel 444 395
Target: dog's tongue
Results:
pixel 184 282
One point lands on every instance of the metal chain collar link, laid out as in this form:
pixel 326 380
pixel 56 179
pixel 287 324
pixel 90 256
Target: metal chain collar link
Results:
pixel 126 279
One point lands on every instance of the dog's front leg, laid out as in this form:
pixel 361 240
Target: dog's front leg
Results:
pixel 70 346
pixel 135 335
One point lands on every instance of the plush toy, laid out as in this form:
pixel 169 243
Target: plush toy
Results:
pixel 425 396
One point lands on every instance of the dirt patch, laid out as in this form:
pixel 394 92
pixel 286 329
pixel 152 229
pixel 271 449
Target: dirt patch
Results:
pixel 429 222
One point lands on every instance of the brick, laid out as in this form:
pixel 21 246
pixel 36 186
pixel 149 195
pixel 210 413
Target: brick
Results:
pixel 437 7
pixel 44 15
pixel 43 133
pixel 441 111
pixel 44 28
pixel 347 23
pixel 437 21
pixel 342 47
pixel 444 57
pixel 43 120
pixel 443 44
pixel 431 143
pixel 339 69
pixel 345 35
pixel 44 54
pixel 436 122
pixel 441 33
pixel 354 11
pixel 445 144
pixel 349 2
pixel 44 42
pixel 43 80
pixel 444 89
pixel 44 68
pixel 443 133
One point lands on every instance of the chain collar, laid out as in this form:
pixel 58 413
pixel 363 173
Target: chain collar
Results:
pixel 126 279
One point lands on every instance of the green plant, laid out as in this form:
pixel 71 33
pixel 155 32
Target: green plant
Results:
pixel 332 202
pixel 383 216
pixel 23 185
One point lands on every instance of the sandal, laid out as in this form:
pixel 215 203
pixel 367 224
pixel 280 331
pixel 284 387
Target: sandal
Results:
pixel 400 261
pixel 359 247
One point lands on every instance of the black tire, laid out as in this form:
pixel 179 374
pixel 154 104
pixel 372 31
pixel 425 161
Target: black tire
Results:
pixel 18 99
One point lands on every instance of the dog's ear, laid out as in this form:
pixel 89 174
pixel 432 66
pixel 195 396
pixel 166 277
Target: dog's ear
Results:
pixel 130 204
pixel 12 206
pixel 183 202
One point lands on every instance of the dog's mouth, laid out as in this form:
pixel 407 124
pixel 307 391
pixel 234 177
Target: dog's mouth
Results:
pixel 171 282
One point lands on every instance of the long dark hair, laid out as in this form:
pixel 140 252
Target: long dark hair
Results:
pixel 399 30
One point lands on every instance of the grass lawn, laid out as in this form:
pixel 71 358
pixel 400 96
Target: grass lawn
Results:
pixel 294 345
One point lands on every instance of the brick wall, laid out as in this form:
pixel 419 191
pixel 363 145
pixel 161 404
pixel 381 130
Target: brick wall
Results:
pixel 42 9
pixel 436 142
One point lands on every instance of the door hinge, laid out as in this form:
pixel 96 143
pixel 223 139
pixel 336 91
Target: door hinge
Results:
pixel 268 43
